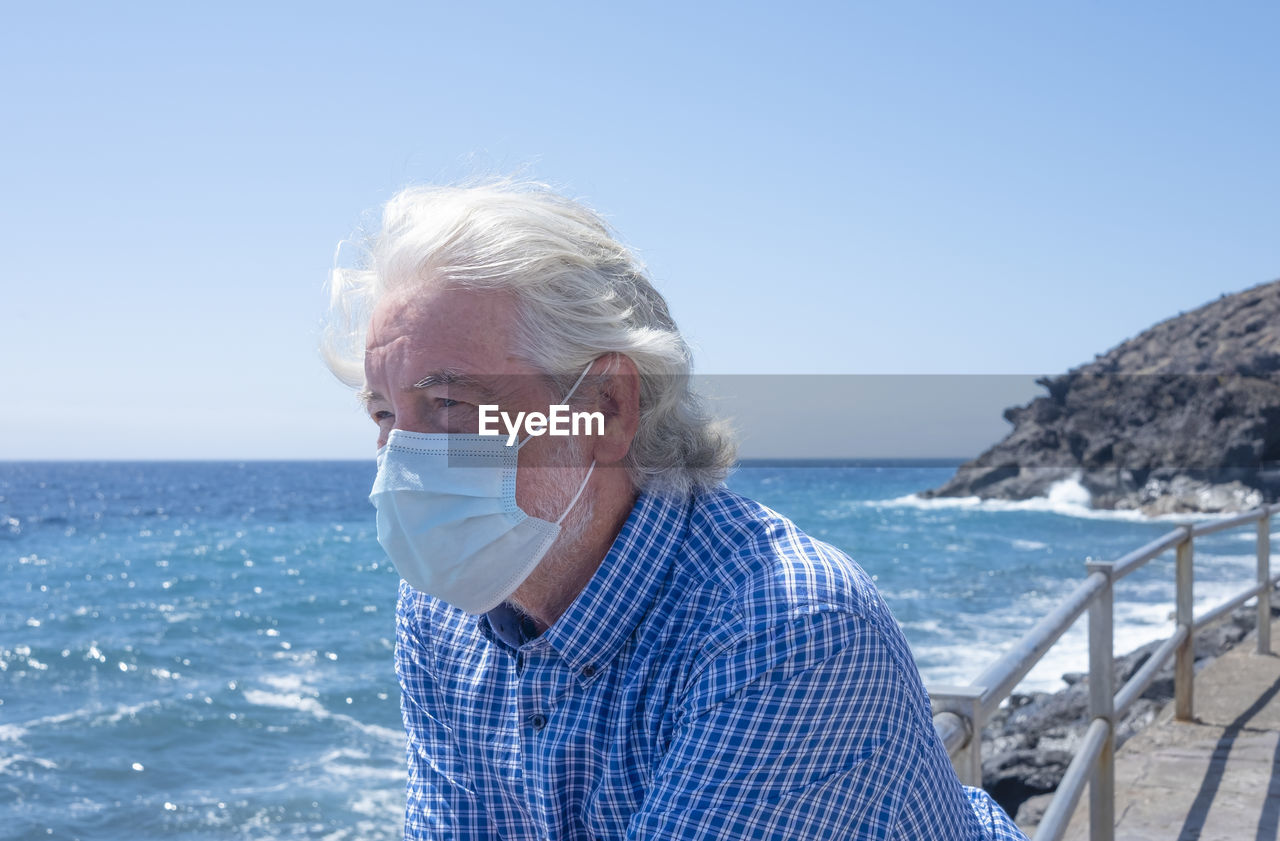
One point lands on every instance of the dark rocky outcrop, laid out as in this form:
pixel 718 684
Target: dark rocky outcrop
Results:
pixel 1183 417
pixel 1030 741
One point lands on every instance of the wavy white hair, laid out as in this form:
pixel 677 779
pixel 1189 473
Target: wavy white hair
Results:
pixel 580 295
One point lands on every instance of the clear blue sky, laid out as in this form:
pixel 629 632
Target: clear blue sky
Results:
pixel 942 188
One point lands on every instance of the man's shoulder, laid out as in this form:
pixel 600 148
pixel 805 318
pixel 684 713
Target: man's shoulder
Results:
pixel 764 567
pixel 772 600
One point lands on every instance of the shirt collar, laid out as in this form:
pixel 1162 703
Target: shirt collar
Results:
pixel 592 631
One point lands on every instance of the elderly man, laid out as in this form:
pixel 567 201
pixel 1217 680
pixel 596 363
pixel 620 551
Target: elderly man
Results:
pixel 595 638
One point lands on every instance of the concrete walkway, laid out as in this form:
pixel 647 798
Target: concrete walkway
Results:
pixel 1217 779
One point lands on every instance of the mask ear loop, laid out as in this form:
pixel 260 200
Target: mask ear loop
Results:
pixel 564 399
pixel 581 488
pixel 590 469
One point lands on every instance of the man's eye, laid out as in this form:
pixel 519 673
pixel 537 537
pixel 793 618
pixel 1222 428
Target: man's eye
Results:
pixel 446 403
pixel 381 415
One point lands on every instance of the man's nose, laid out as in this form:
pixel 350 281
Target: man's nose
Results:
pixel 409 419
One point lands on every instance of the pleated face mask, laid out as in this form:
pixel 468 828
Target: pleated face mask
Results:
pixel 448 518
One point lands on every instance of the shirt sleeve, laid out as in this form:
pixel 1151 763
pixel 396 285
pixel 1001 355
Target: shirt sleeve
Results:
pixel 804 728
pixel 441 801
pixel 995 821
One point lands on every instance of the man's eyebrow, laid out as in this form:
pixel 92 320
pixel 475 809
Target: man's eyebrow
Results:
pixel 457 379
pixel 447 376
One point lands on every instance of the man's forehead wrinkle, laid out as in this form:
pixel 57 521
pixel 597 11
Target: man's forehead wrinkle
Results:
pixel 379 339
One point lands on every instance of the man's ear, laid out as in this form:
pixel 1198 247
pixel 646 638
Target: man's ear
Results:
pixel 618 399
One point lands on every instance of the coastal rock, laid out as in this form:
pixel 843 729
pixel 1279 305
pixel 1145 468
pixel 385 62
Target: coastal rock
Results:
pixel 1184 417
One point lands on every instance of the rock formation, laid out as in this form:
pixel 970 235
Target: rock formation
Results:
pixel 1183 417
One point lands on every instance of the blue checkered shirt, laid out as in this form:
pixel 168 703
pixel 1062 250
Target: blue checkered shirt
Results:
pixel 722 676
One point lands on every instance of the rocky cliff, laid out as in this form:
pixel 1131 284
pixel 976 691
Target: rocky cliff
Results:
pixel 1183 417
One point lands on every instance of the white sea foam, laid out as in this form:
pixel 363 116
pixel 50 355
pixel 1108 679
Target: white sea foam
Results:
pixel 377 803
pixel 1136 623
pixel 1066 497
pixel 60 718
pixel 124 711
pixel 387 735
pixel 370 828
pixel 962 664
pixel 12 759
pixel 337 754
pixel 308 704
pixel 286 700
pixel 96 716
pixel 288 683
pixel 1029 545
pixel 333 764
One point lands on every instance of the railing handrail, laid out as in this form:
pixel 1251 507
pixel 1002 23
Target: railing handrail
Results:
pixel 1139 557
pixel 1002 676
pixel 964 710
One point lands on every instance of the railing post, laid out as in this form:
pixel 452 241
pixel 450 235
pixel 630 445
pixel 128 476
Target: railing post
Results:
pixel 1264 583
pixel 1184 661
pixel 965 702
pixel 1102 783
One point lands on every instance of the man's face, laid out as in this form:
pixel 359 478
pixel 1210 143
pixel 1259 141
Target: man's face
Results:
pixel 435 354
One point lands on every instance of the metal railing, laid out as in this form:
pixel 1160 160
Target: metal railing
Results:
pixel 962 711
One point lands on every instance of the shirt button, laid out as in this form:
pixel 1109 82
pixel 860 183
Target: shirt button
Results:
pixel 537 721
pixel 588 671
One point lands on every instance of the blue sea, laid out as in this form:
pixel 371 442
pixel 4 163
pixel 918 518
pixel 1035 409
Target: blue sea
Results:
pixel 204 650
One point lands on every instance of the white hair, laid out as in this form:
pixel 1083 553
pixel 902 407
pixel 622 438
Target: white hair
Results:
pixel 580 295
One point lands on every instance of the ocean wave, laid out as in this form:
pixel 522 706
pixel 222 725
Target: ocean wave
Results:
pixel 310 705
pixel 1137 623
pixel 384 734
pixel 929 626
pixel 1252 535
pixel 124 711
pixel 288 683
pixel 1067 498
pixel 958 663
pixel 287 701
pixel 13 764
pixel 355 764
pixel 11 733
pixel 96 716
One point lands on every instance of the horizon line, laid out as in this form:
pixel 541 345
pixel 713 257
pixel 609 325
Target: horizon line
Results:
pixel 746 462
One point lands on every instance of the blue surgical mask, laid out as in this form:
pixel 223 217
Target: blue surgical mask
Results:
pixel 448 518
